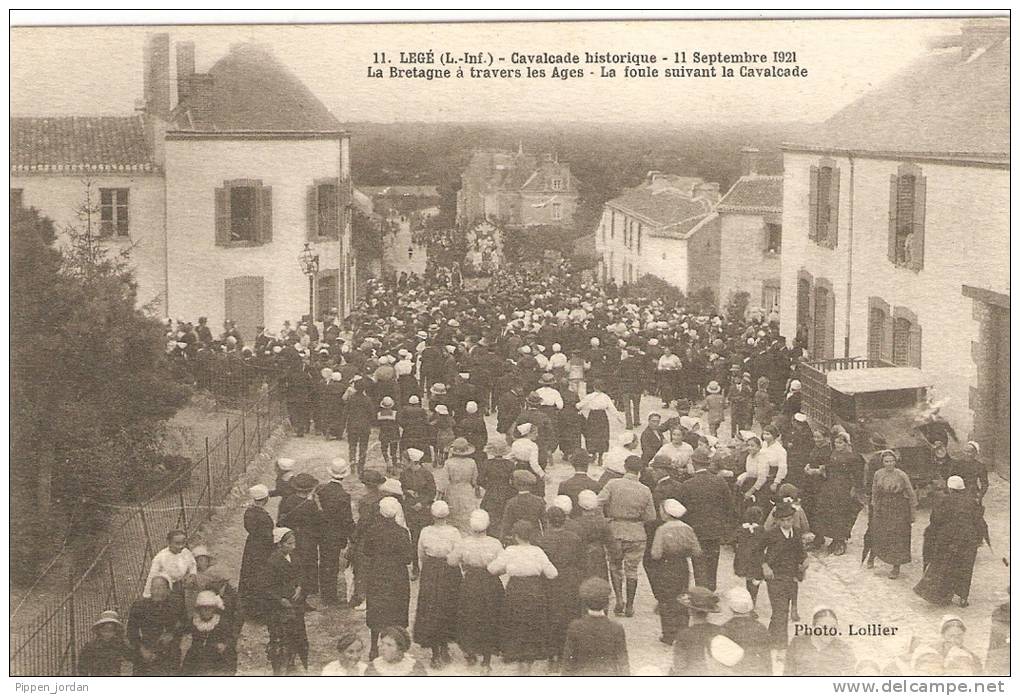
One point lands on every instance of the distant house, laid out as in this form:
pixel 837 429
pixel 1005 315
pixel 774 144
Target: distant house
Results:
pixel 896 240
pixel 666 227
pixel 751 233
pixel 517 189
pixel 218 194
pixel 394 201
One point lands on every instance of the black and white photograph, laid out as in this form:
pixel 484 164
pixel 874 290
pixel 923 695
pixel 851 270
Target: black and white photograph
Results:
pixel 641 344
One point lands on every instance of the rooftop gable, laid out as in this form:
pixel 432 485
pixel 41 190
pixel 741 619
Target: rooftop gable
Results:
pixel 754 194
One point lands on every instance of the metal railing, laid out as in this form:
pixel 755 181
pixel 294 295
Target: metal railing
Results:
pixel 115 578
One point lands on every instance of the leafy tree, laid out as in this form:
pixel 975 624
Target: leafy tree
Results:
pixel 90 391
pixel 736 305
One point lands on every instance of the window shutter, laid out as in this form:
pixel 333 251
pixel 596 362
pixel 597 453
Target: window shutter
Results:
pixel 313 213
pixel 887 338
pixel 265 209
pixel 834 210
pixel 894 185
pixel 813 205
pixel 222 217
pixel 915 346
pixel 917 245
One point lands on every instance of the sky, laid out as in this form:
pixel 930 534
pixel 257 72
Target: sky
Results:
pixel 98 70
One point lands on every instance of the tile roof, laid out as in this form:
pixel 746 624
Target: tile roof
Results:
pixel 75 144
pixel 942 104
pixel 662 207
pixel 253 91
pixel 754 194
pixel 686 228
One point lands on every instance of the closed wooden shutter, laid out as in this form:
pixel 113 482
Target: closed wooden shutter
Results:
pixel 264 196
pixel 312 212
pixel 813 205
pixel 894 186
pixel 876 333
pixel 915 346
pixel 917 243
pixel 222 216
pixel 833 237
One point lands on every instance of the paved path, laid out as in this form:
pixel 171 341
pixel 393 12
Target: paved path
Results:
pixel 858 595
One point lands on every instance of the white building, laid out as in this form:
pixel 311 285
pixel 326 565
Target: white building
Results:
pixel 751 237
pixel 665 227
pixel 896 231
pixel 217 196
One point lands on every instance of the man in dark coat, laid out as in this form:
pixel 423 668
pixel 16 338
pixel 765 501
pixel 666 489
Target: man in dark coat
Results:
pixel 300 512
pixel 414 425
pixel 523 506
pixel 710 513
pixel 494 476
pixel 595 644
pixel 541 421
pixel 368 511
pixel 419 488
pixel 298 390
pixel 284 595
pixel 337 528
pixel 360 416
pixel 508 407
pixel 336 407
pixel 580 481
pixel 651 438
pixel 784 566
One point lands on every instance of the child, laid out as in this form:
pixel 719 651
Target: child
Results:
pixel 789 495
pixel 715 407
pixel 212 651
pixel 389 434
pixel 748 555
pixel 441 425
pixel 284 473
pixel 784 567
pixel 103 656
pixel 762 403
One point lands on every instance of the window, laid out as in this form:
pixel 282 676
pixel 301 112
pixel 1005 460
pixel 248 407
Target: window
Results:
pixel 906 217
pixel 327 293
pixel 823 204
pixel 770 295
pixel 906 338
pixel 773 237
pixel 17 199
pixel 824 321
pixel 804 323
pixel 113 212
pixel 879 329
pixel 557 211
pixel 612 224
pixel 324 210
pixel 557 184
pixel 244 213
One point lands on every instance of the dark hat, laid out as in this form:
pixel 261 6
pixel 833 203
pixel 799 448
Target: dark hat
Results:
pixel 783 510
pixel 580 457
pixel 304 483
pixel 522 479
pixel 594 593
pixel 373 478
pixel 701 599
pixel 534 399
pixel 701 457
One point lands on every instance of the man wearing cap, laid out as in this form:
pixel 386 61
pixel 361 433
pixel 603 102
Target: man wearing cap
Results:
pixel 368 512
pixel 710 513
pixel 629 378
pixel 627 504
pixel 595 645
pixel 784 566
pixel 360 417
pixel 337 528
pixel 301 512
pixel 298 387
pixel 414 425
pixel 580 481
pixel 523 506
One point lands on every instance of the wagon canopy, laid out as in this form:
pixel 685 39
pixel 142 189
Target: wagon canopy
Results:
pixel 877 379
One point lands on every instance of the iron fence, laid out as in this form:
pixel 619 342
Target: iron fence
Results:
pixel 50 645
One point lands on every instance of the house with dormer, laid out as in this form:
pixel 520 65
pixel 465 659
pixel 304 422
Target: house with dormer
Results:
pixel 217 185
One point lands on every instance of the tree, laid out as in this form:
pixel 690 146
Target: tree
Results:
pixel 736 305
pixel 90 391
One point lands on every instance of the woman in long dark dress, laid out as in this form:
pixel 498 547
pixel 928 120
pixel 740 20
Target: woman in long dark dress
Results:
pixel 836 504
pixel 212 651
pixel 436 612
pixel 526 616
pixel 154 630
pixel 596 536
pixel 951 541
pixel 564 550
pixel 481 596
pixel 596 426
pixel 893 502
pixel 494 477
pixel 388 552
pixel 284 599
pixel 257 549
pixel 814 467
pixel 668 569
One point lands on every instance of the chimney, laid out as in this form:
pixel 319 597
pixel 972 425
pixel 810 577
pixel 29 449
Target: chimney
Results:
pixel 980 34
pixel 652 176
pixel 749 161
pixel 200 98
pixel 185 68
pixel 707 191
pixel 156 76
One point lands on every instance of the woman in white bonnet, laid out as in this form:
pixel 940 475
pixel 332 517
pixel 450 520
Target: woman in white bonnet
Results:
pixel 435 615
pixel 480 597
pixel 388 552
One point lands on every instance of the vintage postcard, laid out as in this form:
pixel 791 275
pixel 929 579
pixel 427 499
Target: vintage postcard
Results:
pixel 609 347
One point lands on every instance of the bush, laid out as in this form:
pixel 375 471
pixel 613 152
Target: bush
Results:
pixel 736 305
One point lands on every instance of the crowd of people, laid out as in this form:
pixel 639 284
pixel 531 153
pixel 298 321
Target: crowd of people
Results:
pixel 457 509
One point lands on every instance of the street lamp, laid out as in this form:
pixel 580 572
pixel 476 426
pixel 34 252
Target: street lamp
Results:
pixel 309 261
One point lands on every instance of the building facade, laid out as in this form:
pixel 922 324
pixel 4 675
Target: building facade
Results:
pixel 666 227
pixel 896 237
pixel 517 190
pixel 217 191
pixel 751 235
